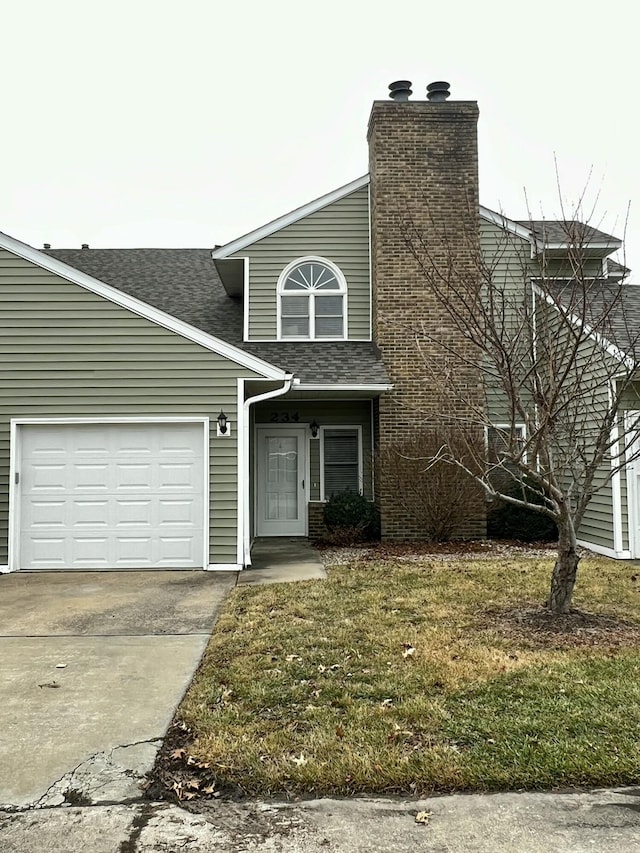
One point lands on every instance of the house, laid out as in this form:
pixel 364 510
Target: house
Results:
pixel 164 407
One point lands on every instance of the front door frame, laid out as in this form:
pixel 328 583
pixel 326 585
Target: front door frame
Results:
pixel 303 474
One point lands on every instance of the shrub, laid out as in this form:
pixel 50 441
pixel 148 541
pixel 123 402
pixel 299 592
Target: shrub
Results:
pixel 435 496
pixel 350 517
pixel 507 521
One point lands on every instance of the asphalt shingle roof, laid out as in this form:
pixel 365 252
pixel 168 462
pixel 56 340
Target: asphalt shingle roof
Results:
pixel 612 309
pixel 186 284
pixel 567 231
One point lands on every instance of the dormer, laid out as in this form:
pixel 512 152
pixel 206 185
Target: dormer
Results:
pixel 306 275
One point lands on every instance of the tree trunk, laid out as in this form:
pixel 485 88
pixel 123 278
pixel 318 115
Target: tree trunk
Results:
pixel 565 570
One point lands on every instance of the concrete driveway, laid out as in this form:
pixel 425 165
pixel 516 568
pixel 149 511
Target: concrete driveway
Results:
pixel 93 665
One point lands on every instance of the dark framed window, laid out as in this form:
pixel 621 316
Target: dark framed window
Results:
pixel 341 460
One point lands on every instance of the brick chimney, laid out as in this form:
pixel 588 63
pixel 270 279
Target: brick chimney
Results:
pixel 423 163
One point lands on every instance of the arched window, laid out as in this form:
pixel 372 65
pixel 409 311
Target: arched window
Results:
pixel 312 295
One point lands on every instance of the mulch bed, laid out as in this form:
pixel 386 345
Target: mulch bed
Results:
pixel 540 628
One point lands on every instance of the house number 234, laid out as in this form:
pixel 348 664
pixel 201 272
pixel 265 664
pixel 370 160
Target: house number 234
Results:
pixel 284 418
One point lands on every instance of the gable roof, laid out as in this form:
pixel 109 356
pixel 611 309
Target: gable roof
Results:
pixel 610 307
pixel 289 218
pixel 149 310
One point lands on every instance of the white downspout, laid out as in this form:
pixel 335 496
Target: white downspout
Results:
pixel 246 434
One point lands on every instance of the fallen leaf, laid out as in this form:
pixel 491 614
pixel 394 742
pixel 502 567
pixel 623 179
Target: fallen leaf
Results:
pixel 193 783
pixel 340 731
pixel 49 684
pixel 408 650
pixel 300 761
pixel 290 658
pixel 178 753
pixel 61 666
pixel 423 817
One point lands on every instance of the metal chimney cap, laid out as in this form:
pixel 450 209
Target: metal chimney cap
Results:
pixel 438 91
pixel 47 246
pixel 85 245
pixel 400 90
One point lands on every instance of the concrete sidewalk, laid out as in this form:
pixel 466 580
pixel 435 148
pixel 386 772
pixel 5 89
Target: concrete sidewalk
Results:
pixel 282 559
pixel 595 822
pixel 93 667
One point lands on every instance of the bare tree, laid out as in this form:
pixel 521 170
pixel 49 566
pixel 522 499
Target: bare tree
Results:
pixel 554 347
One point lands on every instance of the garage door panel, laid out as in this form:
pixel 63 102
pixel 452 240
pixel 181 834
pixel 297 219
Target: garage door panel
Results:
pixel 174 475
pixel 88 513
pixel 137 512
pixel 133 507
pixel 176 550
pixel 45 514
pixel 88 476
pixel 45 478
pixel 47 552
pixel 133 476
pixel 178 513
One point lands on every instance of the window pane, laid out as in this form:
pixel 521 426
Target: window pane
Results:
pixel 340 461
pixel 295 306
pixel 295 327
pixel 324 278
pixel 328 327
pixel 299 278
pixel 328 306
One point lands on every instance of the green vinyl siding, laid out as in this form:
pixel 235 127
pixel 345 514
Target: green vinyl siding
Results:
pixel 507 258
pixel 340 233
pixel 67 352
pixel 326 413
pixel 597 523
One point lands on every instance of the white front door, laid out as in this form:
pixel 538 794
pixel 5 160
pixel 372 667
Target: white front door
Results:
pixel 112 496
pixel 281 504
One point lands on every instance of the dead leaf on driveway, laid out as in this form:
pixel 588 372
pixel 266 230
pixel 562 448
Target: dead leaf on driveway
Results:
pixel 423 817
pixel 49 684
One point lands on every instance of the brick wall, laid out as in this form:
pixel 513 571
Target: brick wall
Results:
pixel 423 163
pixel 317 530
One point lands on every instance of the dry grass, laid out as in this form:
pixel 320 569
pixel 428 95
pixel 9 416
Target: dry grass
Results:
pixel 410 677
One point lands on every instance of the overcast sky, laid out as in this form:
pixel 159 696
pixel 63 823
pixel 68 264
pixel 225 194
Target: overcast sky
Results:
pixel 136 123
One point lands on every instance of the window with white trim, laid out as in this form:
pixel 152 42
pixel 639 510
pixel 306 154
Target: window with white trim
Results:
pixel 341 460
pixel 311 301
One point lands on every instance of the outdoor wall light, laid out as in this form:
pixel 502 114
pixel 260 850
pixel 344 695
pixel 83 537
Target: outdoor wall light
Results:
pixel 314 427
pixel 222 423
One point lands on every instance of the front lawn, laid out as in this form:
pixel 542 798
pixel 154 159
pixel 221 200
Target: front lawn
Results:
pixel 413 676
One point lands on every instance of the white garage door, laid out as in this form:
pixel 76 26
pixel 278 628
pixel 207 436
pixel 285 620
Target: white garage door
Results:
pixel 112 496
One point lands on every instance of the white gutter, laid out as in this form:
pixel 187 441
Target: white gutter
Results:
pixel 243 481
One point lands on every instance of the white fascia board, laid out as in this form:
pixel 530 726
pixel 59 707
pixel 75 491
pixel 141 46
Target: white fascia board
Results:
pixel 606 345
pixel 337 387
pixel 140 308
pixel 505 223
pixel 607 245
pixel 289 218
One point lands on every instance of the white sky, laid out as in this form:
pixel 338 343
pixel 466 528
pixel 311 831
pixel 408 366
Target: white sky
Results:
pixel 136 123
